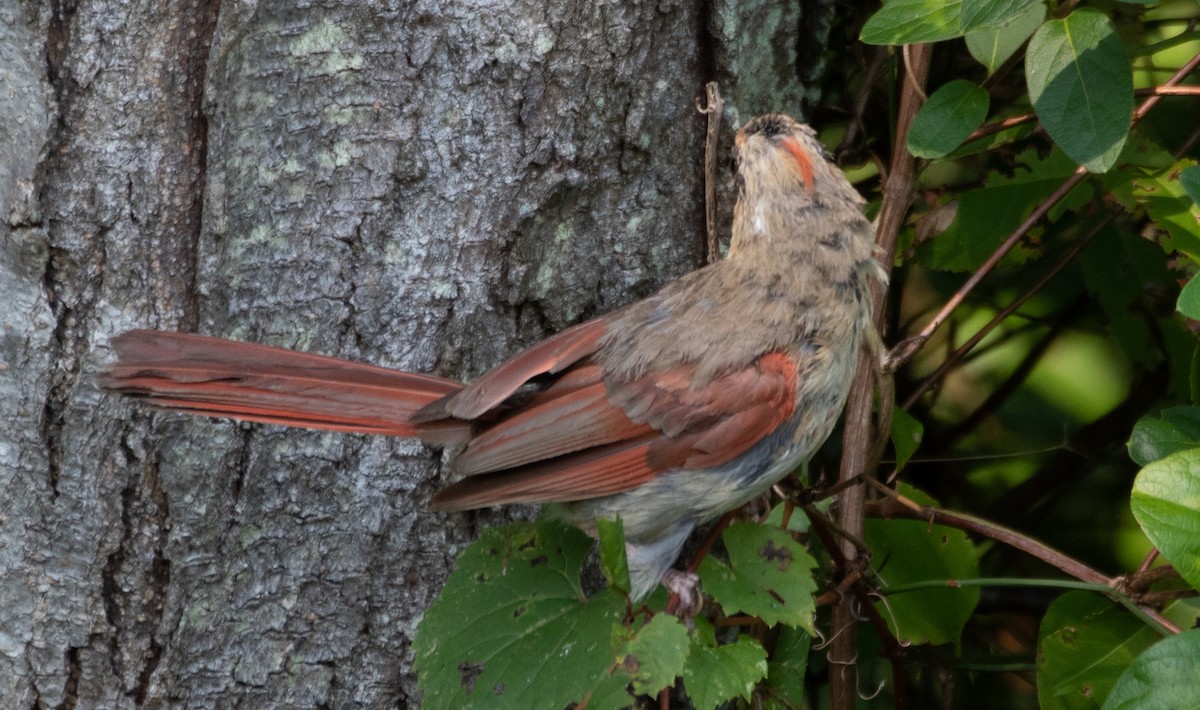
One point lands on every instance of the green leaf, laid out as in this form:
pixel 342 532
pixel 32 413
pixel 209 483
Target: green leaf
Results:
pixel 1165 676
pixel 717 674
pixel 913 21
pixel 614 564
pixel 947 118
pixel 1189 299
pixel 1189 180
pixel 994 14
pixel 906 436
pixel 987 216
pixel 769 575
pixel 654 655
pixel 513 629
pixel 908 551
pixel 1081 85
pixel 797 522
pixel 1166 503
pixel 992 47
pixel 1085 643
pixel 1153 438
pixel 789 663
pixel 1163 195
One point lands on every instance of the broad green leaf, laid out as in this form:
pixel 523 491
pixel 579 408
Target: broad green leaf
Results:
pixel 908 551
pixel 913 21
pixel 1189 299
pixel 789 663
pixel 1162 193
pixel 1086 641
pixel 1081 86
pixel 797 522
pixel 1119 270
pixel 769 575
pixel 1165 677
pixel 718 674
pixel 1154 438
pixel 947 118
pixel 1189 180
pixel 613 562
pixel 994 14
pixel 906 436
pixel 513 629
pixel 993 47
pixel 654 655
pixel 987 216
pixel 1166 504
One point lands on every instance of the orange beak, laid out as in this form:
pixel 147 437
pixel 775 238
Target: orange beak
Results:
pixel 802 161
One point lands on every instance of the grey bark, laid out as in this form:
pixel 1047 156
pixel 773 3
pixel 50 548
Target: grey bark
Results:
pixel 424 185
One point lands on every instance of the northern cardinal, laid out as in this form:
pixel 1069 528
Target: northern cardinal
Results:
pixel 667 413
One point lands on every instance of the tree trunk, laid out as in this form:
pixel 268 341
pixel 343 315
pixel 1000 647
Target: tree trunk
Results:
pixel 422 185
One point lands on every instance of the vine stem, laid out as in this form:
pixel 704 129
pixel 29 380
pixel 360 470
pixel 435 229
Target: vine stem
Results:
pixel 897 198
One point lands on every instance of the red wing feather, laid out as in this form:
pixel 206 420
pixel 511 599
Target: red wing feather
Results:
pixel 622 438
pixel 551 425
pixel 589 474
pixel 223 378
pixel 498 384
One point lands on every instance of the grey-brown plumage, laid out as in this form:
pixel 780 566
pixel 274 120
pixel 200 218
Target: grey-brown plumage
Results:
pixel 667 413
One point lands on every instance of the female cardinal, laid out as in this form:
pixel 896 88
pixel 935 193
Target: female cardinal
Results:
pixel 667 412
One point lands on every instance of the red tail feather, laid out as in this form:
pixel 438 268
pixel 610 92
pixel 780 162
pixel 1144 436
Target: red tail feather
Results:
pixel 225 378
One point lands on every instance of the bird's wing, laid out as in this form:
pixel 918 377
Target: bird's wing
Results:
pixel 585 438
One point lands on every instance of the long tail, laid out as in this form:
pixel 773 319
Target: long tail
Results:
pixel 225 378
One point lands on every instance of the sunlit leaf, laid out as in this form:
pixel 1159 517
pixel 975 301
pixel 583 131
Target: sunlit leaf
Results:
pixel 1081 85
pixel 913 21
pixel 769 575
pixel 613 562
pixel 994 14
pixel 992 47
pixel 1166 504
pixel 1189 179
pixel 654 655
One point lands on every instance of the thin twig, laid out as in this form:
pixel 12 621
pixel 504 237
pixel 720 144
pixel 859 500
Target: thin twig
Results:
pixel 715 110
pixel 892 508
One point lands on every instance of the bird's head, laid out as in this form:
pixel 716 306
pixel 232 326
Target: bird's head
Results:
pixel 776 156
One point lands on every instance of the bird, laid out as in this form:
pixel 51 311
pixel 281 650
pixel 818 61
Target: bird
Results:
pixel 666 413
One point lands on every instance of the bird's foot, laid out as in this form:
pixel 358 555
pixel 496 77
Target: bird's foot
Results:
pixel 686 588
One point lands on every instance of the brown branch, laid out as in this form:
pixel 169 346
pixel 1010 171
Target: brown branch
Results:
pixel 893 508
pixel 842 668
pixel 1005 123
pixel 715 109
pixel 897 198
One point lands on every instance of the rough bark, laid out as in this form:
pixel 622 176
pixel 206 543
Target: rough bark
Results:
pixel 427 185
